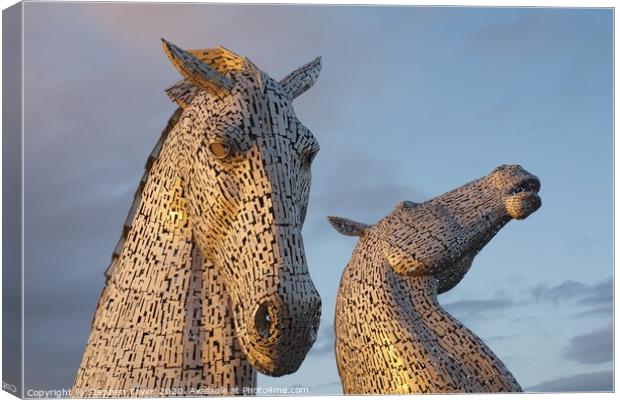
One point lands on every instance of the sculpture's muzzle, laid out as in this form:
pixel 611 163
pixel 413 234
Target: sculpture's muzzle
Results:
pixel 521 191
pixel 282 327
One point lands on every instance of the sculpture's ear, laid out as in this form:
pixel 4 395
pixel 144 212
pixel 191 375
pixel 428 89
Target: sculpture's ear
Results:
pixel 347 226
pixel 302 79
pixel 196 71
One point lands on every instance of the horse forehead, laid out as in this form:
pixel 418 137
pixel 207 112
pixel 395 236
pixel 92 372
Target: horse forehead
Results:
pixel 274 119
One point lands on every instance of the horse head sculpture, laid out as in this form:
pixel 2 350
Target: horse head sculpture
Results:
pixel 209 281
pixel 246 158
pixel 392 335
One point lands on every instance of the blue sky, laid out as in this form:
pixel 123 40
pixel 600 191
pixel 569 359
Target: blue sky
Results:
pixel 411 103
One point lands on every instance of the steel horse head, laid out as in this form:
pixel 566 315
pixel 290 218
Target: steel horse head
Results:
pixel 245 159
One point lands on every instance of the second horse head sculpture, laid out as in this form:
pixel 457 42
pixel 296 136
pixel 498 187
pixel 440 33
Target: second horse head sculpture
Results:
pixel 392 335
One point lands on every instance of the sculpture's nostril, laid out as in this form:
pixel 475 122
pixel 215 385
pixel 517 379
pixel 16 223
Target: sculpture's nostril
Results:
pixel 264 321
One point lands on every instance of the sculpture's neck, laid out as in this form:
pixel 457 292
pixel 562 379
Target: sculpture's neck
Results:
pixel 423 293
pixel 159 237
pixel 479 369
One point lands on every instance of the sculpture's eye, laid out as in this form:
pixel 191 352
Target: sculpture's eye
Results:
pixel 264 322
pixel 219 150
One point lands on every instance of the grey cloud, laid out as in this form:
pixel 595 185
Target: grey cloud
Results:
pixel 595 347
pixel 575 292
pixel 601 293
pixel 476 309
pixel 588 301
pixel 591 382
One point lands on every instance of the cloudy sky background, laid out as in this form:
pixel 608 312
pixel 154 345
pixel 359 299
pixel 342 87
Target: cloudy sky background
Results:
pixel 411 102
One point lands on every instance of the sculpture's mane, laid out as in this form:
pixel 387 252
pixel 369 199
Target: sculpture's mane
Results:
pixel 135 205
pixel 182 93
